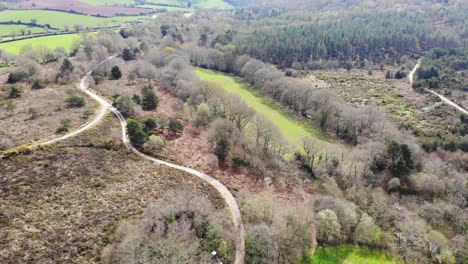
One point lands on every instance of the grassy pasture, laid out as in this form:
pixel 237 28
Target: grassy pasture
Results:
pixel 292 129
pixel 51 42
pixel 348 254
pixel 54 18
pixel 7 30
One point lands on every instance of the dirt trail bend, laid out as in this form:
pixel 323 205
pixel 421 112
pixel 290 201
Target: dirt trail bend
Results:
pixel 443 98
pixel 223 190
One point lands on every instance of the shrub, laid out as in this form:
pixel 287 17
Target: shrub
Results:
pixel 328 226
pixel 149 100
pixel 222 148
pixel 15 77
pixel 20 150
pixel 37 84
pixel 154 144
pixel 33 112
pixel 116 73
pixel 203 115
pixel 65 125
pixel 150 125
pixel 137 99
pixel 240 161
pixel 136 135
pixel 124 104
pixel 15 92
pixel 75 101
pixel 175 126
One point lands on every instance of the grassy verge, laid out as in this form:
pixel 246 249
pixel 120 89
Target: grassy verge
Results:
pixel 51 42
pixel 348 254
pixel 291 128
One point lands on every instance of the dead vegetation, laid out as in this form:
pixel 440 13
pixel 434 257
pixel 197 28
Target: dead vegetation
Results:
pixel 62 204
pixel 37 114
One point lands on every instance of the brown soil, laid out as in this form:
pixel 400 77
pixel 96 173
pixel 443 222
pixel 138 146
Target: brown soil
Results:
pixel 61 205
pixel 80 7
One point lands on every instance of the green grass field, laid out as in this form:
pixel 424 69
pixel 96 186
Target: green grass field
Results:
pixel 8 30
pixel 292 129
pixel 54 18
pixel 51 42
pixel 348 254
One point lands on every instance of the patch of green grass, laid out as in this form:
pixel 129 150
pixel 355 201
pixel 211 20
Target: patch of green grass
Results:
pixel 51 42
pixel 54 18
pixel 7 30
pixel 348 254
pixel 291 128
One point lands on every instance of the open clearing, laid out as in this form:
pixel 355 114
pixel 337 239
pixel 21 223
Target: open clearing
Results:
pixel 292 129
pixel 51 42
pixel 351 255
pixel 62 204
pixel 54 19
pixel 49 103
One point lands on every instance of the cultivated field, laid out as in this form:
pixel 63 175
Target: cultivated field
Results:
pixel 51 42
pixel 63 204
pixel 54 19
pixel 108 2
pixel 292 129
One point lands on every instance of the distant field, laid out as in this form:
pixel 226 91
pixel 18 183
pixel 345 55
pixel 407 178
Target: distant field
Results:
pixel 123 19
pixel 195 3
pixel 109 2
pixel 292 129
pixel 6 30
pixel 49 41
pixel 351 255
pixel 54 18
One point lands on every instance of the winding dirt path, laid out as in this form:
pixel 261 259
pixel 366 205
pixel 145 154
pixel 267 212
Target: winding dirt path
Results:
pixel 223 190
pixel 443 98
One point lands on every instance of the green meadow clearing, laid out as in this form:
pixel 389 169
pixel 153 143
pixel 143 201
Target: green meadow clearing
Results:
pixel 294 130
pixel 51 42
pixel 54 18
pixel 7 30
pixel 348 254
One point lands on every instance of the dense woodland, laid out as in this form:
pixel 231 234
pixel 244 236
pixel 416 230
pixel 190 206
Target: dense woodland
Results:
pixel 377 188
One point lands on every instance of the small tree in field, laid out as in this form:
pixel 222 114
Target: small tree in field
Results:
pixel 222 148
pixel 149 100
pixel 116 73
pixel 150 125
pixel 175 126
pixel 135 133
